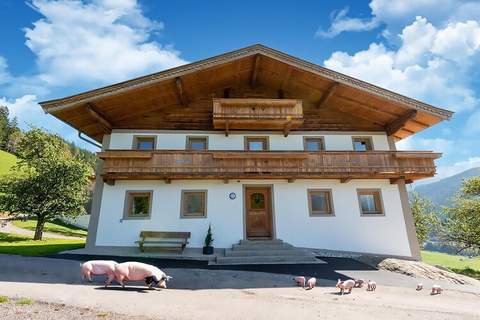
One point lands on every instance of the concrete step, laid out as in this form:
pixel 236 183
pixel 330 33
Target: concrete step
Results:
pixel 276 252
pixel 267 260
pixel 251 247
pixel 260 242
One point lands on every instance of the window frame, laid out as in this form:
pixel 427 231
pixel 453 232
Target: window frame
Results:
pixel 136 139
pixel 378 201
pixel 370 141
pixel 128 204
pixel 266 142
pixel 188 145
pixel 182 204
pixel 330 203
pixel 322 142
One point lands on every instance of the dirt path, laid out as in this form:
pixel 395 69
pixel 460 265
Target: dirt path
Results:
pixel 10 228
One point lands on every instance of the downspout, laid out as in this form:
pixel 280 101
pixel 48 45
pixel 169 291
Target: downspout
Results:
pixel 88 141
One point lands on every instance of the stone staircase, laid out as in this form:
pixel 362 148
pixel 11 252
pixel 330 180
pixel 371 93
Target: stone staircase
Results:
pixel 265 252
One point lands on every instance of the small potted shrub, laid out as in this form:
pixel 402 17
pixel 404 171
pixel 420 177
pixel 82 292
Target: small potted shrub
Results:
pixel 208 248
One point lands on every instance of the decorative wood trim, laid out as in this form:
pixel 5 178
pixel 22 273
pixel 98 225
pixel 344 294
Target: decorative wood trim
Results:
pixel 327 95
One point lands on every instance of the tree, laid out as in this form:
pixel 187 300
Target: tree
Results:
pixel 47 182
pixel 4 127
pixel 424 216
pixel 461 224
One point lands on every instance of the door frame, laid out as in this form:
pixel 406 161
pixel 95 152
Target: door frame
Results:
pixel 272 208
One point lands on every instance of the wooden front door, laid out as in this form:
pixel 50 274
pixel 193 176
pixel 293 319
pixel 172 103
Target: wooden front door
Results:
pixel 258 212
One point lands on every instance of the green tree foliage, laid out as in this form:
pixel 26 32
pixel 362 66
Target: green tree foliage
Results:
pixel 48 181
pixel 424 217
pixel 461 224
pixel 209 237
pixel 10 133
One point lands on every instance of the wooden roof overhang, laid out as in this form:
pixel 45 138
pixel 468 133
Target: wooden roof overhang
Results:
pixel 182 97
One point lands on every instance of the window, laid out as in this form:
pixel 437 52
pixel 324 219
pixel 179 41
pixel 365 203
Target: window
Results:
pixel 320 202
pixel 362 143
pixel 256 143
pixel 194 204
pixel 143 143
pixel 370 201
pixel 138 204
pixel 313 144
pixel 197 143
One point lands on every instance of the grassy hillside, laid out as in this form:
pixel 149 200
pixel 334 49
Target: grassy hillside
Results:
pixel 459 264
pixel 57 227
pixel 7 160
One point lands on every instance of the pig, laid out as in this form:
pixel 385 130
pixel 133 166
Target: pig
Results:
pixel 359 283
pixel 419 286
pixel 99 267
pixel 311 283
pixel 300 281
pixel 345 285
pixel 152 275
pixel 371 285
pixel 436 289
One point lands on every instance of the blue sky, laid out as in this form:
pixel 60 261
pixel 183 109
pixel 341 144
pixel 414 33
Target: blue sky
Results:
pixel 426 49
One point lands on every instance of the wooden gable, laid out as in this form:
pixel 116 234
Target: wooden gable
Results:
pixel 182 98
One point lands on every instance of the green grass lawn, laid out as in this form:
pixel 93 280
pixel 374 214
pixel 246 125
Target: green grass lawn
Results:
pixel 54 227
pixel 7 160
pixel 18 244
pixel 458 264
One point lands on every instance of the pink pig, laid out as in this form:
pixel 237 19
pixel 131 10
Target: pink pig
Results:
pixel 141 271
pixel 99 267
pixel 311 283
pixel 345 285
pixel 300 281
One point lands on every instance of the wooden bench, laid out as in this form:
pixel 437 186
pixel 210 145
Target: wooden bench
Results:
pixel 163 241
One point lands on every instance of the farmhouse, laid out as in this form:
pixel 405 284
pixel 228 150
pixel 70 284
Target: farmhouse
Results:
pixel 262 146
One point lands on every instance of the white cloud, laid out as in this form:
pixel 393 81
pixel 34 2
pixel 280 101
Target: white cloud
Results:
pixel 458 41
pixel 434 144
pixel 422 66
pixel 341 23
pixel 98 42
pixel 460 166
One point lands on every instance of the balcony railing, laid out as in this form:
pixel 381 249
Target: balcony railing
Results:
pixel 346 165
pixel 252 114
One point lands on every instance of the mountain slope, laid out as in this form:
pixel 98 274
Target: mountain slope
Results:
pixel 7 160
pixel 441 191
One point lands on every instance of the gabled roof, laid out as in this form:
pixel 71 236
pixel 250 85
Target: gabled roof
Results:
pixel 252 69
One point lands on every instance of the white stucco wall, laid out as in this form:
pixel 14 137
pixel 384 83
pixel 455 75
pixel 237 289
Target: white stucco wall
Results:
pixel 235 141
pixel 346 230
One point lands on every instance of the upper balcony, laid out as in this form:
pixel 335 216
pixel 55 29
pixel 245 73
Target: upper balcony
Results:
pixel 257 114
pixel 291 165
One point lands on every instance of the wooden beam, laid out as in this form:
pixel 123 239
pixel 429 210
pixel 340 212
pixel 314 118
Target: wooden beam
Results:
pixel 280 93
pixel 99 117
pixel 226 127
pixel 396 180
pixel 181 94
pixel 345 180
pixel 168 181
pixel 400 122
pixel 226 92
pixel 327 95
pixel 287 128
pixel 291 180
pixel 225 180
pixel 110 182
pixel 253 79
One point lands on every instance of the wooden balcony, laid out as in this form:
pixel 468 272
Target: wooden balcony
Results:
pixel 344 165
pixel 257 114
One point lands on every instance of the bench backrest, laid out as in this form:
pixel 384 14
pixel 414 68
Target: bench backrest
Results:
pixel 164 234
